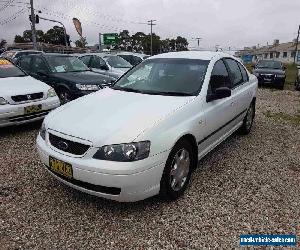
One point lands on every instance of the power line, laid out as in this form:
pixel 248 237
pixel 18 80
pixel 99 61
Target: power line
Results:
pixel 13 17
pixel 6 5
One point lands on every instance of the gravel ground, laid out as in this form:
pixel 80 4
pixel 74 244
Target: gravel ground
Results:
pixel 249 184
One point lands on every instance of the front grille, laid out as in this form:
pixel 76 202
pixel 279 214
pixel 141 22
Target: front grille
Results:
pixel 29 97
pixel 71 147
pixel 21 118
pixel 89 186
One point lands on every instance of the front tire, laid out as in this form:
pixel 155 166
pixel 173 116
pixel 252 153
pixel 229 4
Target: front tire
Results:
pixel 64 95
pixel 248 120
pixel 177 172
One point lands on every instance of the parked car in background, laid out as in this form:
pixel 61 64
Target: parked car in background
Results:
pixel 298 78
pixel 22 98
pixel 13 55
pixel 111 65
pixel 68 75
pixel 270 72
pixel 133 58
pixel 159 120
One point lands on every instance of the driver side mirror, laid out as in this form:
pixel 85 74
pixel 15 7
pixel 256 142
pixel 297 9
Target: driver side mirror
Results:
pixel 104 67
pixel 43 74
pixel 218 93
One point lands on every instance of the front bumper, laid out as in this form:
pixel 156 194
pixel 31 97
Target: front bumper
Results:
pixel 101 178
pixel 14 114
pixel 272 80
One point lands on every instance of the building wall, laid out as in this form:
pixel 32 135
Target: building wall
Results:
pixel 285 58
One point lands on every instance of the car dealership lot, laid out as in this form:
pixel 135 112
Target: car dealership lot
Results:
pixel 248 184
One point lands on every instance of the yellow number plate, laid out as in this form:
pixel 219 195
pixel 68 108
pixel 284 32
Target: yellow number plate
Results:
pixel 32 109
pixel 61 167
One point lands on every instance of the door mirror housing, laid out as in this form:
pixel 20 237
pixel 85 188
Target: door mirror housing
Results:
pixel 42 74
pixel 219 93
pixel 104 67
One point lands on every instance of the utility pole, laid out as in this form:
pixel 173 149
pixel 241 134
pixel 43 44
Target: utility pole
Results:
pixel 151 23
pixel 33 31
pixel 198 40
pixel 297 41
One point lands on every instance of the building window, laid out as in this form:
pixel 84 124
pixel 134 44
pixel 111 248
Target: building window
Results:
pixel 277 54
pixel 293 54
pixel 284 54
pixel 266 55
pixel 271 55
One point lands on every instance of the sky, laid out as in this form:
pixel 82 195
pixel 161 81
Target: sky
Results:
pixel 227 23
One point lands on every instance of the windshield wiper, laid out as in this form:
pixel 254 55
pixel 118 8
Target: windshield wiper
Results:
pixel 127 89
pixel 171 93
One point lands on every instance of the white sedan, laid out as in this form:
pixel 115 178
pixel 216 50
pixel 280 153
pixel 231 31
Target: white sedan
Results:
pixel 144 135
pixel 22 98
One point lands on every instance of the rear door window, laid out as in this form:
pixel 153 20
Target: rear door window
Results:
pixel 234 72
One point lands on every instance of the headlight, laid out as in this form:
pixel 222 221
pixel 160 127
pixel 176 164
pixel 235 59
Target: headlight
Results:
pixel 124 152
pixel 43 131
pixel 3 101
pixel 88 87
pixel 280 76
pixel 51 93
pixel 256 74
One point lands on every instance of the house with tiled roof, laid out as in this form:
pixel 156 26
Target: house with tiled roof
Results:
pixel 283 52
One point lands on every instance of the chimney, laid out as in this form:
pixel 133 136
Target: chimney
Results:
pixel 276 42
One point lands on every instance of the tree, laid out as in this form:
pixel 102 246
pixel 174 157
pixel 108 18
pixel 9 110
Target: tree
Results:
pixel 54 35
pixel 19 39
pixel 2 43
pixel 81 43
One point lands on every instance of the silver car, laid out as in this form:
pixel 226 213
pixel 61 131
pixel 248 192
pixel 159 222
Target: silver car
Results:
pixel 133 58
pixel 111 65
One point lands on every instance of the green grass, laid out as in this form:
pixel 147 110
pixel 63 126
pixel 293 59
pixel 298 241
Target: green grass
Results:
pixel 291 72
pixel 295 119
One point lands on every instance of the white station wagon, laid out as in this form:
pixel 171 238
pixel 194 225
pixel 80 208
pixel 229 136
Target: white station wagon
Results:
pixel 144 135
pixel 22 98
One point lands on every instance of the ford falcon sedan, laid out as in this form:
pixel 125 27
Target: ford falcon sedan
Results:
pixel 144 135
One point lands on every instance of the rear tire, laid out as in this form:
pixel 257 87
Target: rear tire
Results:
pixel 178 170
pixel 248 120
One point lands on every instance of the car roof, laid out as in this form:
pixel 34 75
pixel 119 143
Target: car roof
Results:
pixel 203 55
pixel 52 54
pixel 131 53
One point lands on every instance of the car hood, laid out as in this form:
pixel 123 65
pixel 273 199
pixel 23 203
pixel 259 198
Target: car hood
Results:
pixel 84 77
pixel 269 71
pixel 12 86
pixel 112 116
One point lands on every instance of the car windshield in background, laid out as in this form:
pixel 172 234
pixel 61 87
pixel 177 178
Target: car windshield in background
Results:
pixel 117 62
pixel 7 69
pixel 181 77
pixel 62 64
pixel 269 65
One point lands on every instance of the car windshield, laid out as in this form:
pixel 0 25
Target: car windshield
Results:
pixel 7 69
pixel 117 62
pixel 269 65
pixel 62 64
pixel 181 77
